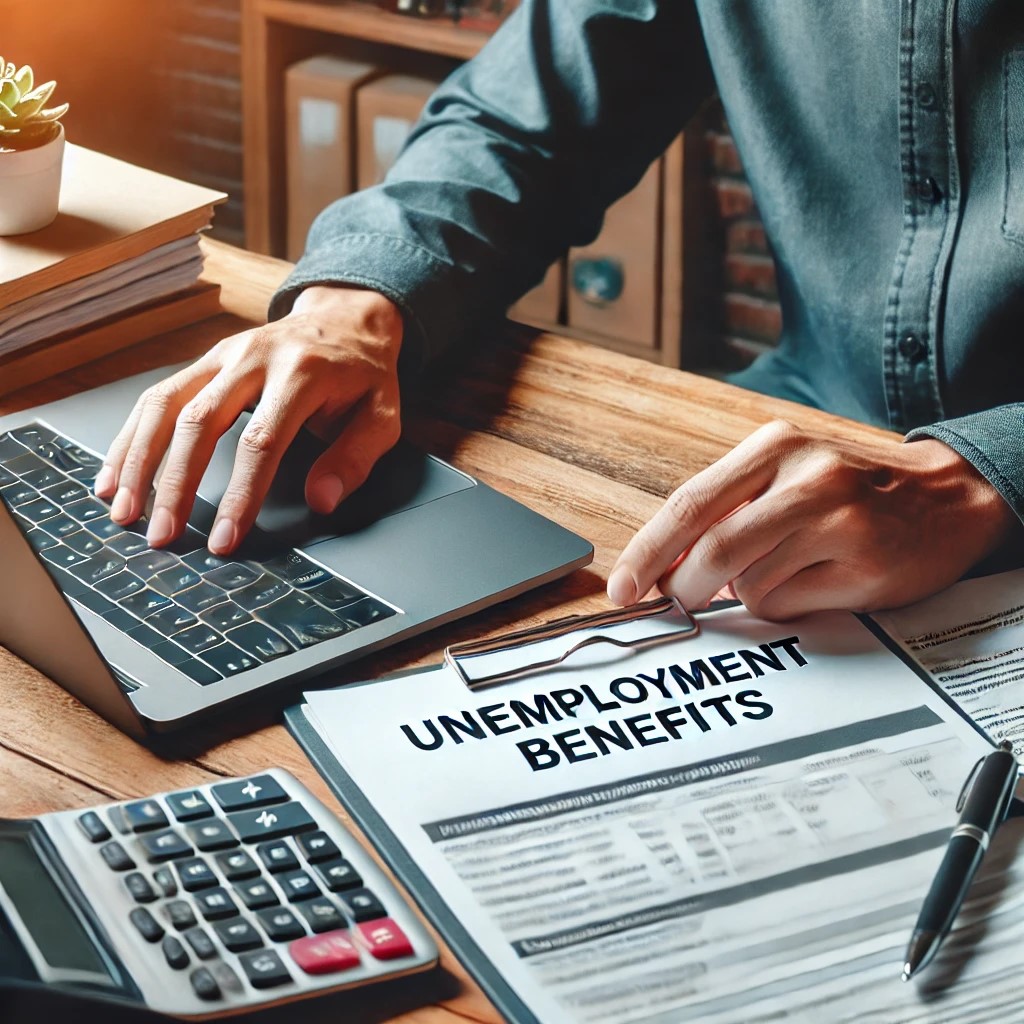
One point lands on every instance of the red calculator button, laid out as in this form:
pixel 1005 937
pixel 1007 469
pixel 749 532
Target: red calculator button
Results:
pixel 323 954
pixel 384 939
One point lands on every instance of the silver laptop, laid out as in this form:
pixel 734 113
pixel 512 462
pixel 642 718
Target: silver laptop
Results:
pixel 158 639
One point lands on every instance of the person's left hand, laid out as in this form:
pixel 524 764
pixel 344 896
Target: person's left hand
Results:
pixel 794 524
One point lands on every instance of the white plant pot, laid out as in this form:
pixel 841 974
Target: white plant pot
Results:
pixel 30 186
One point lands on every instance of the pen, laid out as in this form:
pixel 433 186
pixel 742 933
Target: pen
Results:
pixel 983 804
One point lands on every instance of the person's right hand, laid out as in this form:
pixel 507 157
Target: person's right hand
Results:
pixel 331 363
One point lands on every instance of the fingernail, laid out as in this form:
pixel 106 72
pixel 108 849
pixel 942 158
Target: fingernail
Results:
pixel 621 586
pixel 325 493
pixel 121 508
pixel 104 482
pixel 222 536
pixel 161 528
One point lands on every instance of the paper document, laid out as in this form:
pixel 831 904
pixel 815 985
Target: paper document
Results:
pixel 970 638
pixel 739 826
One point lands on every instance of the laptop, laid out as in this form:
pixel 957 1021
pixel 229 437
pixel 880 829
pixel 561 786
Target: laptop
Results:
pixel 156 640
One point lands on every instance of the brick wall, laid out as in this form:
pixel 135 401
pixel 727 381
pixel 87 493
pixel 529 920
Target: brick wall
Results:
pixel 750 318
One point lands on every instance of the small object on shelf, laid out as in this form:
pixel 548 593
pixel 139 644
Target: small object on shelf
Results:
pixel 31 151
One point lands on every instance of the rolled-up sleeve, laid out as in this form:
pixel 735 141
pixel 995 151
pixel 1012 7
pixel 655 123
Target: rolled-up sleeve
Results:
pixel 517 156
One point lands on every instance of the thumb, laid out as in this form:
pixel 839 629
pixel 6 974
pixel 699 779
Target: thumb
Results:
pixel 373 430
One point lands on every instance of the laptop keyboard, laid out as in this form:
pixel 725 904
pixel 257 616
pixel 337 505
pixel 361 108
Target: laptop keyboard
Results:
pixel 208 617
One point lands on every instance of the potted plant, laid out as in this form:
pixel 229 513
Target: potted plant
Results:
pixel 31 151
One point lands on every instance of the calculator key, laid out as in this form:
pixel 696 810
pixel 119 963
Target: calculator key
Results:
pixel 318 846
pixel 226 977
pixel 280 924
pixel 204 984
pixel 322 915
pixel 164 879
pixel 174 953
pixel 201 943
pixel 298 885
pixel 384 939
pixel 277 856
pixel 92 825
pixel 180 914
pixel 362 905
pixel 257 893
pixel 146 924
pixel 264 969
pixel 161 846
pixel 116 856
pixel 116 817
pixel 139 888
pixel 237 865
pixel 338 875
pixel 143 815
pixel 189 806
pixel 325 954
pixel 212 835
pixel 215 904
pixel 272 822
pixel 254 792
pixel 195 874
pixel 238 935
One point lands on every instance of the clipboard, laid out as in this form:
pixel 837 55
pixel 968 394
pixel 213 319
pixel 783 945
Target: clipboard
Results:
pixel 647 624
pixel 480 665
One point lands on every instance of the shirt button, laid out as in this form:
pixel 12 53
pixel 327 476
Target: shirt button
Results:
pixel 926 96
pixel 928 189
pixel 911 347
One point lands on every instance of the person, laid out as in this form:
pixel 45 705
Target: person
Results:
pixel 885 146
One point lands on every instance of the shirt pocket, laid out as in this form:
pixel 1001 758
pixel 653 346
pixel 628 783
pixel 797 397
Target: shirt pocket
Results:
pixel 1013 137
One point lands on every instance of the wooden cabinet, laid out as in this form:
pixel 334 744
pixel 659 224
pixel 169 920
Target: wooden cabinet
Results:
pixel 647 236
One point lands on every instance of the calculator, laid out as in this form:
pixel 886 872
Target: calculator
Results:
pixel 200 902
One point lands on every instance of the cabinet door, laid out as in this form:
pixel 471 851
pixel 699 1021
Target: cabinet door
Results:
pixel 614 282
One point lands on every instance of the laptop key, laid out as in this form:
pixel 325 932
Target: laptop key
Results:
pixel 61 526
pixel 25 463
pixel 260 641
pixel 232 576
pixel 87 509
pixel 65 491
pixel 97 568
pixel 120 619
pixel 144 602
pixel 225 616
pixel 39 511
pixel 106 529
pixel 265 590
pixel 81 540
pixel 6 476
pixel 40 539
pixel 199 673
pixel 198 639
pixel 150 562
pixel 95 602
pixel 45 477
pixel 362 613
pixel 32 434
pixel 120 585
pixel 123 543
pixel 174 581
pixel 298 570
pixel 10 448
pixel 171 620
pixel 336 593
pixel 200 597
pixel 204 561
pixel 228 659
pixel 18 494
pixel 302 621
pixel 144 635
pixel 62 555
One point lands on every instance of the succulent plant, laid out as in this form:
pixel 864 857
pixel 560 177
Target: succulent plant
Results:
pixel 24 123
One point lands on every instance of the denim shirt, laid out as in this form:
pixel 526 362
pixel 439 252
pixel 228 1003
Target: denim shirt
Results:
pixel 884 142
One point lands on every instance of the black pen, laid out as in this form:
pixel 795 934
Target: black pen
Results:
pixel 983 804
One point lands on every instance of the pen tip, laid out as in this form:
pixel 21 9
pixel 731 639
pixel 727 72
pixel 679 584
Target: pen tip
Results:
pixel 907 972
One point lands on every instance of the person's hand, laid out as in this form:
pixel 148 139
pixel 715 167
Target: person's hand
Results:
pixel 794 524
pixel 333 361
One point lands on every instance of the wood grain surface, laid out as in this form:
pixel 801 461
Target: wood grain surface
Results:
pixel 591 438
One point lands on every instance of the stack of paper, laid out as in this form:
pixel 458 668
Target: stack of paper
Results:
pixel 120 262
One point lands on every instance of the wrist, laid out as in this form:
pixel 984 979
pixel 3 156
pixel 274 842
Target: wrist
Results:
pixel 374 313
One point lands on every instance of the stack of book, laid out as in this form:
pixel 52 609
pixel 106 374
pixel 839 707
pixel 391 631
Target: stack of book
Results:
pixel 119 264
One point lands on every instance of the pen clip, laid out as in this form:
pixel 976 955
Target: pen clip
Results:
pixel 962 799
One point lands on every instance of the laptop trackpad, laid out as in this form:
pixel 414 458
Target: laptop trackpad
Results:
pixel 403 479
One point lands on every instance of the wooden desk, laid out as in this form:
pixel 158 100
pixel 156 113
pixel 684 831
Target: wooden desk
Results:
pixel 590 438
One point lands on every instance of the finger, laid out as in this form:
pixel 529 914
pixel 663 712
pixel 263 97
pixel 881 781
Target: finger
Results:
pixel 134 458
pixel 200 424
pixel 695 506
pixel 725 550
pixel 273 426
pixel 374 429
pixel 824 585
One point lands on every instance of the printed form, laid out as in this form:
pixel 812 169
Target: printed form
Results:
pixel 738 826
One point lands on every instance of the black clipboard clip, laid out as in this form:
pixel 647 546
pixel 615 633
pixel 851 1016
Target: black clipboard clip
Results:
pixel 642 625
